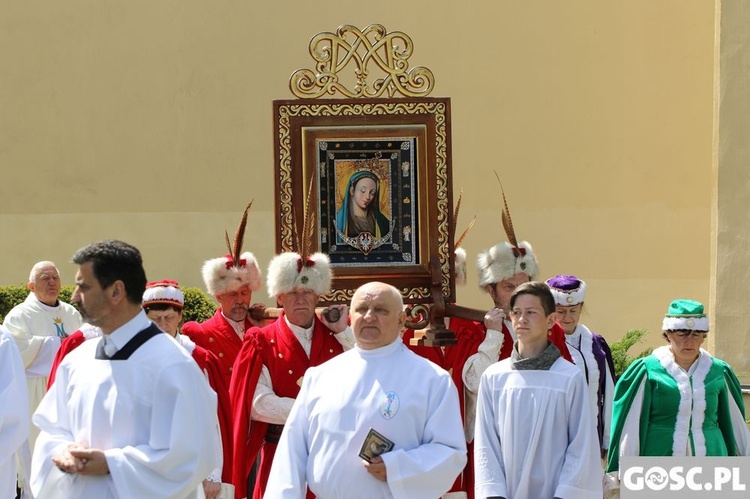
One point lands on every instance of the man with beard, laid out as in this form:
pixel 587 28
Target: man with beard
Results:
pixel 231 279
pixel 269 369
pixel 232 284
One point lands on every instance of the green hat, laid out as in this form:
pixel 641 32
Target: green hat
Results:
pixel 685 315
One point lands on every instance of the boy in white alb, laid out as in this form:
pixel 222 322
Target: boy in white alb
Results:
pixel 535 437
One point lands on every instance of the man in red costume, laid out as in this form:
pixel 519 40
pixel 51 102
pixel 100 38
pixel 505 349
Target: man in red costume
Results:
pixel 232 284
pixel 268 371
pixel 502 268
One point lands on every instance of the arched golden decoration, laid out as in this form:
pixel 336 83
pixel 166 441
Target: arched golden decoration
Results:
pixel 373 48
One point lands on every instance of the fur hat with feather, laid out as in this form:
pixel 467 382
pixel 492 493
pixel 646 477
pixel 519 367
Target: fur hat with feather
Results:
pixel 290 270
pixel 459 254
pixel 300 269
pixel 235 269
pixel 506 259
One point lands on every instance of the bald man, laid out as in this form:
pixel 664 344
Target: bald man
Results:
pixel 38 325
pixel 375 397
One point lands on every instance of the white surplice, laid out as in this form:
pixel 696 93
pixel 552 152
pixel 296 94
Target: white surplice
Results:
pixel 154 415
pixel 535 437
pixel 14 412
pixel 404 397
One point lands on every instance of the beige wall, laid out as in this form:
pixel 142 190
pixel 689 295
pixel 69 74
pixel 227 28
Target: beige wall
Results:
pixel 730 269
pixel 151 122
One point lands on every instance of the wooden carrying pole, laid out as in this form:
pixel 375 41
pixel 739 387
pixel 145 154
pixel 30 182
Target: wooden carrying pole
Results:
pixel 424 333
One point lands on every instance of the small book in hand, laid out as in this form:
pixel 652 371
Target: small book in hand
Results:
pixel 374 445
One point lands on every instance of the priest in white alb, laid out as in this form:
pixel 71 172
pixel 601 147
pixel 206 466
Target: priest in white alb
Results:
pixel 130 414
pixel 38 325
pixel 380 393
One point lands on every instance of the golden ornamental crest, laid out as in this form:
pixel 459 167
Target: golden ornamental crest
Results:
pixel 372 49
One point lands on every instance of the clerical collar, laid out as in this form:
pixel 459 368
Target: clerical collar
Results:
pixel 49 308
pixel 381 351
pixel 300 332
pixel 120 336
pixel 541 362
pixel 239 327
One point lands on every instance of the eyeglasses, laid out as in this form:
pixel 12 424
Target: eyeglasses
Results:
pixel 689 334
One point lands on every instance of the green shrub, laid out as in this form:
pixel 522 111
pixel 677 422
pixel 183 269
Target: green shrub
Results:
pixel 620 350
pixel 10 296
pixel 66 292
pixel 198 305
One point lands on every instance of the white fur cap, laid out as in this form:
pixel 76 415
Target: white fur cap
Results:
pixel 459 262
pixel 568 298
pixel 287 271
pixel 499 263
pixel 685 324
pixel 221 276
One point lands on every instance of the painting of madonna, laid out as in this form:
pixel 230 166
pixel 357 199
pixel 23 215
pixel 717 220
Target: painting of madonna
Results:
pixel 360 208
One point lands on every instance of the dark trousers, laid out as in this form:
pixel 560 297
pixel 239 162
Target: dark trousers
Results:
pixel 252 476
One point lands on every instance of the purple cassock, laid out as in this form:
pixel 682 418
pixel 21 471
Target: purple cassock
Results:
pixel 590 352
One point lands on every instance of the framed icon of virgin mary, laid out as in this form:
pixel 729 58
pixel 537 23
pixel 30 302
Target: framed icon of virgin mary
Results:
pixel 381 180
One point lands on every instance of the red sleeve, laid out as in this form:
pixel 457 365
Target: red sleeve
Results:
pixel 557 337
pixel 215 371
pixel 68 345
pixel 470 335
pixel 194 331
pixel 247 435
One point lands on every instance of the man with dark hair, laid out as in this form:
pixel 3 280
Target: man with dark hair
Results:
pixel 535 435
pixel 119 420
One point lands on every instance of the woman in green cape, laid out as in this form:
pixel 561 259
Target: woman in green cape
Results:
pixel 680 400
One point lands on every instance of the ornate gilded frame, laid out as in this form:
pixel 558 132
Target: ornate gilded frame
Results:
pixel 302 125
